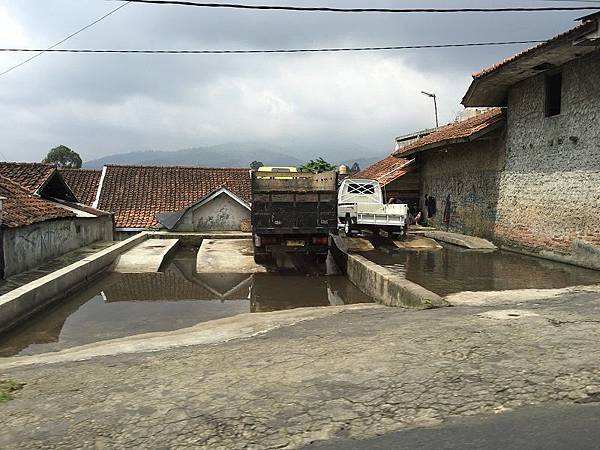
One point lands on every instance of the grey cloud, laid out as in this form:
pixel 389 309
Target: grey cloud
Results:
pixel 103 104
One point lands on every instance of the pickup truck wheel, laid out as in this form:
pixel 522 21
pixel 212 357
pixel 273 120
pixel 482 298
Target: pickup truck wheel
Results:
pixel 349 226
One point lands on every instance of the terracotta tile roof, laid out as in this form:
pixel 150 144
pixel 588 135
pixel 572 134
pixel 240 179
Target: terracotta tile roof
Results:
pixel 586 26
pixel 29 175
pixel 83 183
pixel 386 170
pixel 21 208
pixel 135 194
pixel 456 132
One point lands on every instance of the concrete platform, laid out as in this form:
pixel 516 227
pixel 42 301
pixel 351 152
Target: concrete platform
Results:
pixel 146 257
pixel 355 244
pixel 417 243
pixel 227 256
pixel 462 240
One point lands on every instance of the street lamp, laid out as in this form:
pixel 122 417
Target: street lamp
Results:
pixel 434 97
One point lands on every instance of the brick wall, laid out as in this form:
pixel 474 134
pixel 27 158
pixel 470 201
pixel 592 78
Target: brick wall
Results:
pixel 549 192
pixel 469 175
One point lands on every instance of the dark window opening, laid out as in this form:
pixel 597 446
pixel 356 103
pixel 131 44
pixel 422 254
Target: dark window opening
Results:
pixel 553 94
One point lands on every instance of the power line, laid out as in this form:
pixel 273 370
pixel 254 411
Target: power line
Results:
pixel 290 50
pixel 365 10
pixel 42 51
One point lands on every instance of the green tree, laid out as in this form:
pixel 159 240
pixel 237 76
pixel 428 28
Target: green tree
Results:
pixel 318 166
pixel 254 165
pixel 63 157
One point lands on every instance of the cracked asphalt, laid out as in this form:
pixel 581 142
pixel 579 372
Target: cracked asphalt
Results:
pixel 355 374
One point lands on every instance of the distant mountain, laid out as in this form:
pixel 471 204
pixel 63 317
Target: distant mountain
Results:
pixel 237 155
pixel 224 155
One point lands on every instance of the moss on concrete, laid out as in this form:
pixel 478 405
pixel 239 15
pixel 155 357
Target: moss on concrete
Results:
pixel 7 388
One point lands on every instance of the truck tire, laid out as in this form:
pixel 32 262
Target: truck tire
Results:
pixel 261 258
pixel 321 258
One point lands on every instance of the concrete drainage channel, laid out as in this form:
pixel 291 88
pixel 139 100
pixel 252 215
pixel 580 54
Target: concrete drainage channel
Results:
pixel 18 304
pixel 142 295
pixel 152 284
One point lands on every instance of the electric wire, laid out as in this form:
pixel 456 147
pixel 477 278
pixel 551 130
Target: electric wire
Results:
pixel 281 50
pixel 364 10
pixel 52 47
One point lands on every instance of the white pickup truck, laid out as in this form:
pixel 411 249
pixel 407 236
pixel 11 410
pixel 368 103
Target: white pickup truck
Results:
pixel 360 206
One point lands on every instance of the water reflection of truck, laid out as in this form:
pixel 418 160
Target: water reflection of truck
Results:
pixel 293 212
pixel 360 206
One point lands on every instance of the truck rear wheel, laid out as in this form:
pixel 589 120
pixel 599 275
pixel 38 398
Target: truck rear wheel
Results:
pixel 260 256
pixel 321 258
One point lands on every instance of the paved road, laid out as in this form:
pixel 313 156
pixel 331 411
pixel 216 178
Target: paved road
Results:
pixel 557 428
pixel 346 373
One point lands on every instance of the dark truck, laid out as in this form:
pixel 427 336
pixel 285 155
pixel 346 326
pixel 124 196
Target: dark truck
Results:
pixel 293 212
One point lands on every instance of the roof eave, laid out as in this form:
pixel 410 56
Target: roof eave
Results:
pixel 490 90
pixel 461 140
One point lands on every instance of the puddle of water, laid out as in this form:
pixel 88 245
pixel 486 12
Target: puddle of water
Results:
pixel 120 305
pixel 454 269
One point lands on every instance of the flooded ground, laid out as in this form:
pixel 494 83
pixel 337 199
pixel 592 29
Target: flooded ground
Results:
pixel 454 269
pixel 121 305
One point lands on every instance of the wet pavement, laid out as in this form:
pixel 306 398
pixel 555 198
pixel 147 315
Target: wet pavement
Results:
pixel 120 305
pixel 454 269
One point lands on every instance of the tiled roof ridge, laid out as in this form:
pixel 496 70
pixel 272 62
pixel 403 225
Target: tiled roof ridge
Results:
pixel 479 117
pixel 441 134
pixel 21 163
pixel 15 184
pixel 81 169
pixel 145 166
pixel 579 28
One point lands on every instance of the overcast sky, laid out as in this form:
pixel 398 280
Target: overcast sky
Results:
pixel 105 104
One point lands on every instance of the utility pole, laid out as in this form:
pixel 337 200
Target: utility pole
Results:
pixel 434 97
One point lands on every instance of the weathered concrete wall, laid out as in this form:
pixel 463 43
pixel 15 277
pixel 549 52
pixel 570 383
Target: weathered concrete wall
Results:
pixel 469 174
pixel 220 214
pixel 28 247
pixel 549 201
pixel 19 304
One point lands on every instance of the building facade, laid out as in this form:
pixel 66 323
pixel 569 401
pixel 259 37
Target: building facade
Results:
pixel 549 188
pixel 460 166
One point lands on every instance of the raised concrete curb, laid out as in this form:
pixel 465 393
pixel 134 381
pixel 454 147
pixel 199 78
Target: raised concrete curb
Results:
pixel 462 240
pixel 381 284
pixel 20 303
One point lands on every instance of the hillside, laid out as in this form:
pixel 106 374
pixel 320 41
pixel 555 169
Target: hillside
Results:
pixel 225 155
pixel 234 155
